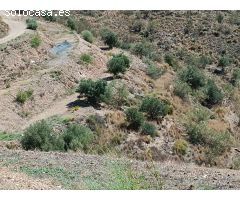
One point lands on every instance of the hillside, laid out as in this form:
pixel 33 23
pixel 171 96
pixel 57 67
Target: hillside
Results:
pixel 106 93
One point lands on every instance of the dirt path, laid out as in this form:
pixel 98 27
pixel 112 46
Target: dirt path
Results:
pixel 57 109
pixel 17 27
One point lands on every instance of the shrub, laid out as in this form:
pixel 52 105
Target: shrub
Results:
pixel 136 26
pixel 23 96
pixel 77 137
pixel 149 129
pixel 109 38
pixel 182 90
pixel 224 61
pixel 218 142
pixel 71 23
pixel 86 58
pixel 118 64
pixel 40 136
pixel 87 35
pixel 116 94
pixel 197 133
pixel 203 61
pixel 31 24
pixel 50 18
pixel 36 41
pixel 134 117
pixel 93 90
pixel 95 122
pixel 171 60
pixel 236 77
pixel 193 77
pixel 200 114
pixel 219 18
pixel 155 108
pixel 180 147
pixel 142 49
pixel 154 72
pixel 214 94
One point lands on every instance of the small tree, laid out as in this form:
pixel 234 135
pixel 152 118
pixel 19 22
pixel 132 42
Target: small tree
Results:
pixel 109 38
pixel 93 90
pixel 155 108
pixel 118 64
pixel 135 118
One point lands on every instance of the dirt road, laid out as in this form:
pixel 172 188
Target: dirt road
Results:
pixel 17 26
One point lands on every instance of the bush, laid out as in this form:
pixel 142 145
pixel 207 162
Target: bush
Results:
pixel 36 41
pixel 31 24
pixel 41 136
pixel 155 108
pixel 77 137
pixel 118 64
pixel 87 35
pixel 93 90
pixel 180 147
pixel 154 72
pixel 50 18
pixel 142 49
pixel 224 61
pixel 169 59
pixel 219 18
pixel 182 90
pixel 71 23
pixel 116 94
pixel 213 93
pixel 134 118
pixel 23 96
pixel 109 38
pixel 149 129
pixel 236 77
pixel 86 58
pixel 193 77
pixel 199 114
pixel 197 133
